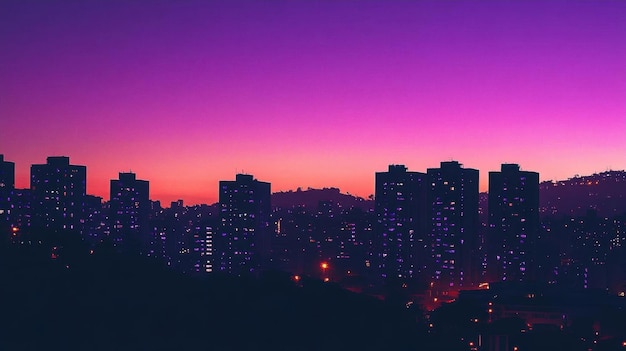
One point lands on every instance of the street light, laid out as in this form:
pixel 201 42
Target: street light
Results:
pixel 324 266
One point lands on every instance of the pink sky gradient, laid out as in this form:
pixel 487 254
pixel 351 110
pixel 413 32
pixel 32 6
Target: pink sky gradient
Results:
pixel 310 93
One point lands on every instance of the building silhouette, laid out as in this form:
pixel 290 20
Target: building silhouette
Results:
pixel 7 189
pixel 183 237
pixel 129 213
pixel 21 211
pixel 454 224
pixel 243 243
pixel 513 223
pixel 95 220
pixel 7 174
pixel 400 243
pixel 59 192
pixel 203 248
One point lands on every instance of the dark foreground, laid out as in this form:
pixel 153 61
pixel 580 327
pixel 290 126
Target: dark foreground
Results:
pixel 100 300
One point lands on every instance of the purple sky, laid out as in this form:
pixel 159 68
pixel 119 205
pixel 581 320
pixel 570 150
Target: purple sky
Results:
pixel 310 93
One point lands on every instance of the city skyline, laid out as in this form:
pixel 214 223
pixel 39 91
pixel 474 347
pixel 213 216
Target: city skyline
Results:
pixel 432 229
pixel 310 94
pixel 106 195
pixel 454 270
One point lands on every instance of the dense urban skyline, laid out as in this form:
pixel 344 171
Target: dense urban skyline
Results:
pixel 310 93
pixel 427 228
pixel 460 271
pixel 106 196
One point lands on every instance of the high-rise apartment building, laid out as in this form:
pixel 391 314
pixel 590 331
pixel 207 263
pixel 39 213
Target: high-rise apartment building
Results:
pixel 129 213
pixel 7 188
pixel 454 224
pixel 400 206
pixel 513 223
pixel 59 192
pixel 7 174
pixel 243 242
pixel 95 220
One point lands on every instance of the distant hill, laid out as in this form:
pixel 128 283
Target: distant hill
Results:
pixel 311 198
pixel 603 192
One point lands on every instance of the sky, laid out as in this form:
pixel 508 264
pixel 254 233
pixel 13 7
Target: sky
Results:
pixel 310 93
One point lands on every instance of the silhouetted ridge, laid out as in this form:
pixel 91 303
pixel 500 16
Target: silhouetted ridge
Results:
pixel 603 192
pixel 311 198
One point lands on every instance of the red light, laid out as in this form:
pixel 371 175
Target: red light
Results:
pixel 324 265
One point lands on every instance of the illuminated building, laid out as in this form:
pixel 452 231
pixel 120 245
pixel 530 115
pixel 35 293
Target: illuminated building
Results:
pixel 454 223
pixel 243 243
pixel 183 237
pixel 59 192
pixel 129 213
pixel 95 220
pixel 204 246
pixel 7 188
pixel 21 208
pixel 400 212
pixel 513 222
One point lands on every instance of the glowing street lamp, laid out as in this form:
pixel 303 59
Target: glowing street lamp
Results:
pixel 324 266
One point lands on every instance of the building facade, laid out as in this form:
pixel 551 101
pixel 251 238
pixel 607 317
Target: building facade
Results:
pixel 243 243
pixel 58 191
pixel 401 241
pixel 7 189
pixel 454 225
pixel 513 223
pixel 129 213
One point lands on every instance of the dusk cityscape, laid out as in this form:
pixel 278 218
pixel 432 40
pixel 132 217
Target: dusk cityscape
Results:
pixel 313 175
